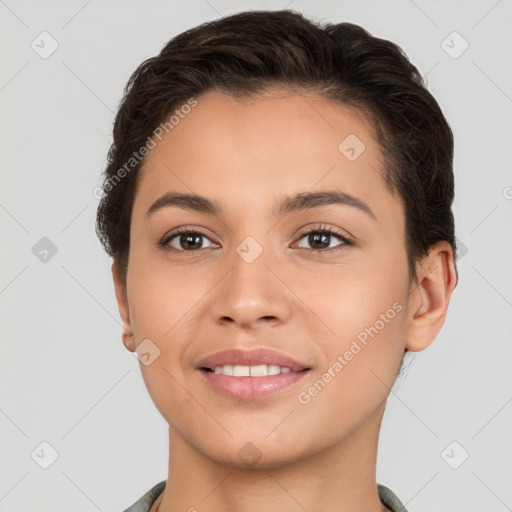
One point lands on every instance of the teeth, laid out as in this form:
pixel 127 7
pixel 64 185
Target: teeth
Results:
pixel 261 370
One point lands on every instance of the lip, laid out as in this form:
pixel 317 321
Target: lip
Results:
pixel 250 358
pixel 251 388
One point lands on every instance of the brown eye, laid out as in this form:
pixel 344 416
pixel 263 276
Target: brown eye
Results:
pixel 190 241
pixel 324 239
pixel 319 240
pixel 187 240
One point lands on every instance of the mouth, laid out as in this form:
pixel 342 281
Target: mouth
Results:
pixel 251 375
pixel 257 362
pixel 261 370
pixel 250 387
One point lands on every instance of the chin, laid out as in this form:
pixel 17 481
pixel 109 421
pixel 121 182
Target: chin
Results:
pixel 254 455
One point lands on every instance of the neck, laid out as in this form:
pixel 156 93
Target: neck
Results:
pixel 341 478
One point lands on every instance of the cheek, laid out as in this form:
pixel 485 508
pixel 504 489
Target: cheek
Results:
pixel 158 298
pixel 360 318
pixel 345 299
pixel 362 361
pixel 159 308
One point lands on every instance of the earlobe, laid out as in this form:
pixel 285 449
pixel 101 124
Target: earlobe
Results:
pixel 128 340
pixel 122 303
pixel 430 297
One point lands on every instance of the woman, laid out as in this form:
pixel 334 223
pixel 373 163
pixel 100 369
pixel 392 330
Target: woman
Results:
pixel 277 203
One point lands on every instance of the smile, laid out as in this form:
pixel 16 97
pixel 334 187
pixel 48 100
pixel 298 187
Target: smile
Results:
pixel 248 386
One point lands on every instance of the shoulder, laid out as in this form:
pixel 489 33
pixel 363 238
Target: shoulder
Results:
pixel 390 499
pixel 144 503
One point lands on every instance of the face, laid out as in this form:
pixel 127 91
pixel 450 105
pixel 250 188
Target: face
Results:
pixel 297 247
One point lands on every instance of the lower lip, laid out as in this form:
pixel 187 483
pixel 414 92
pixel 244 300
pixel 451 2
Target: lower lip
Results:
pixel 252 388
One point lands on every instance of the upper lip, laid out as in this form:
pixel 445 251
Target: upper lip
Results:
pixel 250 358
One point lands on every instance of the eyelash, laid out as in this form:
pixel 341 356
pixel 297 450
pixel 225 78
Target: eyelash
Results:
pixel 321 229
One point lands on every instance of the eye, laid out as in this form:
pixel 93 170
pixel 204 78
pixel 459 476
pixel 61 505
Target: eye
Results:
pixel 323 238
pixel 186 240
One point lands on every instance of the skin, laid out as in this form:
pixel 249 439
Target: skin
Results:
pixel 247 156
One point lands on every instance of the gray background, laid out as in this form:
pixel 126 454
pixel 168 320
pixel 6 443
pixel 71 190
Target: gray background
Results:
pixel 66 378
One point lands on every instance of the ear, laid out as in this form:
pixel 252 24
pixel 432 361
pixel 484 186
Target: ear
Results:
pixel 122 304
pixel 430 296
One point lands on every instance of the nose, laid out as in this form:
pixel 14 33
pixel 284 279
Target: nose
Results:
pixel 252 295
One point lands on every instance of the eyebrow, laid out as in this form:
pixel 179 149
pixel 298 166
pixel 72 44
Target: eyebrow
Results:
pixel 298 202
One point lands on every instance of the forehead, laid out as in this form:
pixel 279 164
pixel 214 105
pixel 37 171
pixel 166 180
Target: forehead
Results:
pixel 265 146
pixel 276 121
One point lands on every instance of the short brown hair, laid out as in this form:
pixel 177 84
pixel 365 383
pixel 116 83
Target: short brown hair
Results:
pixel 253 51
